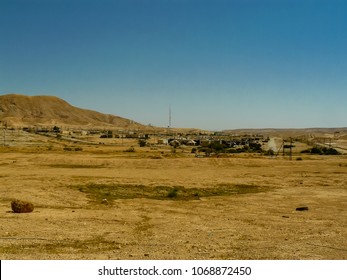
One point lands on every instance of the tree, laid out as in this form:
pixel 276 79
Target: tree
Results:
pixel 56 129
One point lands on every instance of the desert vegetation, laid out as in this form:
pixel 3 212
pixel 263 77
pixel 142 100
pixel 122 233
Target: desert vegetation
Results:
pixel 321 151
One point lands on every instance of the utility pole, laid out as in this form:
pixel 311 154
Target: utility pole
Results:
pixel 169 126
pixel 170 116
pixel 286 146
pixel 283 147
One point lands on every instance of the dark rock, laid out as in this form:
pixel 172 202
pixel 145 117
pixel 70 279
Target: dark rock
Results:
pixel 304 208
pixel 20 206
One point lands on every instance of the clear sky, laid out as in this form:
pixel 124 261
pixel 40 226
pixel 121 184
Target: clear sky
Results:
pixel 221 64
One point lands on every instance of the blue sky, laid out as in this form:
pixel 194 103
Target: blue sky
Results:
pixel 220 64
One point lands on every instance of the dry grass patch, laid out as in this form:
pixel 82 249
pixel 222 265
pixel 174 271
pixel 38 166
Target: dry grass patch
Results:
pixel 76 166
pixel 98 192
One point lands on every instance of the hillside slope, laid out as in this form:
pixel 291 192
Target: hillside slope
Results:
pixel 21 110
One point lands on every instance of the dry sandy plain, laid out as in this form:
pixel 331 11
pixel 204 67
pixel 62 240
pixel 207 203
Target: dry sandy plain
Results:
pixel 234 207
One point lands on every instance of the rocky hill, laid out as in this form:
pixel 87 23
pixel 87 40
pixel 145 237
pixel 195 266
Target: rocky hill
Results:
pixel 20 110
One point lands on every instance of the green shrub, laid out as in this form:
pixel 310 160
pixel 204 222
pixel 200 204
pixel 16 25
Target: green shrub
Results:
pixel 217 147
pixel 316 150
pixel 331 151
pixel 142 142
pixel 255 147
pixel 233 151
pixel 321 151
pixel 172 193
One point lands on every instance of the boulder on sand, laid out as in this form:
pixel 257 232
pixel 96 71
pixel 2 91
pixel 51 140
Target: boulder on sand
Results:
pixel 20 206
pixel 304 208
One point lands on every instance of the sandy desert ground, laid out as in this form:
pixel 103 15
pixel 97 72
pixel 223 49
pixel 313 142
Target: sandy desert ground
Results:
pixel 105 203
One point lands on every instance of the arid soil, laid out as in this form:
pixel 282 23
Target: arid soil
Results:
pixel 105 203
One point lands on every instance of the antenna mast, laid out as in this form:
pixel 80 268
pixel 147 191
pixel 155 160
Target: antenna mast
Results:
pixel 170 116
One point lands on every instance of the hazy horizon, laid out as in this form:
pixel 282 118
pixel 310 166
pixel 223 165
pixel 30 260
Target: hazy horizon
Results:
pixel 219 64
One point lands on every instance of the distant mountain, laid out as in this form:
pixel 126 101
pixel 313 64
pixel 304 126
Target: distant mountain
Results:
pixel 20 110
pixel 338 131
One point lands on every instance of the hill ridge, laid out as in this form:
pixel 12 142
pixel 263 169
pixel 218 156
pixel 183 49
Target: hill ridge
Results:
pixel 44 110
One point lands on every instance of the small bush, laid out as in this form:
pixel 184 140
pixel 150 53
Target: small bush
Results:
pixel 255 147
pixel 233 151
pixel 216 147
pixel 205 150
pixel 331 151
pixel 321 151
pixel 70 149
pixel 172 193
pixel 130 150
pixel 142 142
pixel 269 152
pixel 56 129
pixel 316 150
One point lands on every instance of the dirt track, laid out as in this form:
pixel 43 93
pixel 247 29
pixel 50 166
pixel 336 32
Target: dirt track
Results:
pixel 68 223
